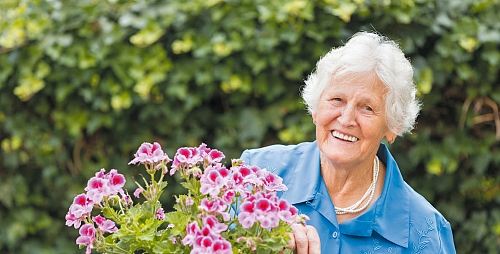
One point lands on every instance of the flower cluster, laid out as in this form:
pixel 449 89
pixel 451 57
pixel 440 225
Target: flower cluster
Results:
pixel 225 210
pixel 101 189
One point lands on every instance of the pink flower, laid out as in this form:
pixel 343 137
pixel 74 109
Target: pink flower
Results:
pixel 203 149
pixel 222 246
pixel 191 230
pixel 99 220
pixel 212 181
pixel 236 183
pixel 160 214
pixel 213 223
pixel 101 173
pixel 286 212
pixel 87 236
pixel 72 220
pixel 262 207
pixel 247 216
pixel 216 206
pixel 108 226
pixel 228 196
pixel 205 242
pixel 116 181
pixel 208 238
pixel 215 156
pixel 249 176
pixel 266 209
pixel 150 153
pixel 189 201
pixel 269 221
pixel 189 157
pixel 244 171
pixel 138 192
pixel 104 224
pixel 186 157
pixel 81 208
pixel 97 189
pixel 81 205
pixel 273 182
pixel 82 200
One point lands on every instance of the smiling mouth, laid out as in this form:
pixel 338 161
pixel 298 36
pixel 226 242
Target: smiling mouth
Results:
pixel 344 137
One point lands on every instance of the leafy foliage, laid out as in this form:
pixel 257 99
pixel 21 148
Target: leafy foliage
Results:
pixel 84 82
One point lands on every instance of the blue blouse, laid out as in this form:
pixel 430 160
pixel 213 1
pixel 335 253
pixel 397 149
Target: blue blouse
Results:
pixel 400 221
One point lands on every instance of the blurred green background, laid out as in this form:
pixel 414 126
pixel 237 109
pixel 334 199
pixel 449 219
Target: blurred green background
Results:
pixel 84 82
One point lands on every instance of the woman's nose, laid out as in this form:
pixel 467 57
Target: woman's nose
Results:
pixel 347 116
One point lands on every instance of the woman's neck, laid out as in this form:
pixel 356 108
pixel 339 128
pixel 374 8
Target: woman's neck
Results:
pixel 346 184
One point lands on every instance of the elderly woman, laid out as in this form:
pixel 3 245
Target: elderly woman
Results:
pixel 347 181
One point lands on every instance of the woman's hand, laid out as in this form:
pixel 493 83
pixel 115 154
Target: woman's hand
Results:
pixel 305 240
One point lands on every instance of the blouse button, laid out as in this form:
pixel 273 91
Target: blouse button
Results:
pixel 335 234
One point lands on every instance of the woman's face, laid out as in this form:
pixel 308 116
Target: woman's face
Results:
pixel 351 120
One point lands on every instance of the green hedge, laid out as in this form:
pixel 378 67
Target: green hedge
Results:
pixel 84 83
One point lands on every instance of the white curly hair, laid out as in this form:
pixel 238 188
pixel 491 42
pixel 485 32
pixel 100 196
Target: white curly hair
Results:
pixel 365 53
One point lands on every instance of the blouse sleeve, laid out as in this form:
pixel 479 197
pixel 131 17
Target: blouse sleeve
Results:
pixel 446 239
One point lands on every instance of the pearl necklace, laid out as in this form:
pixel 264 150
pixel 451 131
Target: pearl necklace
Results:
pixel 369 193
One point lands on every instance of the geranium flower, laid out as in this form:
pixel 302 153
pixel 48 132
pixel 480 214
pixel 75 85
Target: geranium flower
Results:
pixel 215 206
pixel 247 216
pixel 191 232
pixel 87 237
pixel 273 182
pixel 138 192
pixel 160 214
pixel 208 238
pixel 81 208
pixel 149 153
pixel 97 188
pixel 185 157
pixel 228 195
pixel 215 156
pixel 104 224
pixel 213 223
pixel 287 212
pixel 212 181
pixel 81 205
pixel 221 246
pixel 249 176
pixel 116 181
pixel 72 220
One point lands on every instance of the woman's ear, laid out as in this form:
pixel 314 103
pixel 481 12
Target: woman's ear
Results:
pixel 390 137
pixel 314 118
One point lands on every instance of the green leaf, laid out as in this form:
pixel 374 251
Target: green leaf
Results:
pixel 424 85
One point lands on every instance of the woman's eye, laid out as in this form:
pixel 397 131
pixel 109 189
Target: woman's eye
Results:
pixel 337 99
pixel 368 108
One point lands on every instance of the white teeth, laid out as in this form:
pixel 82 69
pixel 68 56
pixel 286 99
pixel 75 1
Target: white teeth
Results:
pixel 344 137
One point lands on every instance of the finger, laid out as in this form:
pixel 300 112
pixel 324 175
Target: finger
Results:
pixel 301 240
pixel 314 245
pixel 291 243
